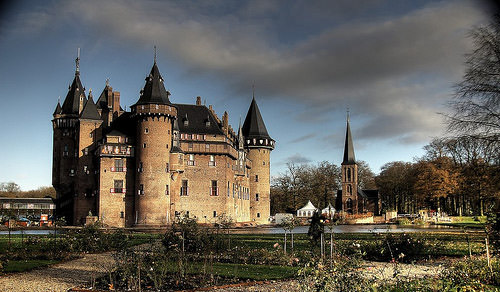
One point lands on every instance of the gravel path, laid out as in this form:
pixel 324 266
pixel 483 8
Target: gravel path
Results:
pixel 81 272
pixel 59 277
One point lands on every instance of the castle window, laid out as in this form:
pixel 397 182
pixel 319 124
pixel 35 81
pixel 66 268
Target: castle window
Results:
pixel 167 146
pixel 122 214
pixel 66 151
pixel 86 151
pixel 118 166
pixel 263 163
pixel 167 190
pixel 214 190
pixel 167 168
pixel 256 197
pixel 228 189
pixel 184 188
pixel 256 177
pixel 207 146
pixel 349 189
pixel 348 174
pixel 186 123
pixel 204 137
pixel 207 123
pixel 190 146
pixel 211 162
pixel 86 169
pixel 146 130
pixel 118 186
pixel 349 203
pixel 144 145
pixel 71 172
pixel 258 215
pixel 141 190
pixel 215 214
pixel 234 189
pixel 191 159
pixel 180 159
pixel 140 168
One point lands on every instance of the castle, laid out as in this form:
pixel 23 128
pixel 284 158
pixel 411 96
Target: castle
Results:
pixel 159 160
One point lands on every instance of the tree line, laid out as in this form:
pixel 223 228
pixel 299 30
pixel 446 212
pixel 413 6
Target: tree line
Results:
pixel 13 190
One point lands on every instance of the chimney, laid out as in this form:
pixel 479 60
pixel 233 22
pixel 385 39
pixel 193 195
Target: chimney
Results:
pixel 225 122
pixel 198 100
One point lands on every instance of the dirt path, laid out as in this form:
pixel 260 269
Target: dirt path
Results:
pixel 59 277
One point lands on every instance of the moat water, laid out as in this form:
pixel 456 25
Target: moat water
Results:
pixel 371 228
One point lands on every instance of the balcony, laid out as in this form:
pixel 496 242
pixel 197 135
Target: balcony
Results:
pixel 118 190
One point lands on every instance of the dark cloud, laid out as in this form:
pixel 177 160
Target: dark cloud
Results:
pixel 394 68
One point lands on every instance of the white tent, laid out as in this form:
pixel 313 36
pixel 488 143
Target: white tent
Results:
pixel 307 211
pixel 329 210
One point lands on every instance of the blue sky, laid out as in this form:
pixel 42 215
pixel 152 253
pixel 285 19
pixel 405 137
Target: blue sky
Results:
pixel 392 63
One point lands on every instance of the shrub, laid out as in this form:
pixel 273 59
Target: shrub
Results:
pixel 473 272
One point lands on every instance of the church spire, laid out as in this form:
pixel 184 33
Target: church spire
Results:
pixel 348 147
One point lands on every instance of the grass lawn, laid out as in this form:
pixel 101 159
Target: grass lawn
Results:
pixel 251 272
pixel 14 266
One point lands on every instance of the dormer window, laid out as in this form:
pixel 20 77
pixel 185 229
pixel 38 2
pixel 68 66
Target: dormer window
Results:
pixel 186 123
pixel 207 123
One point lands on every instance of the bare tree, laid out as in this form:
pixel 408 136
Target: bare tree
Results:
pixel 476 103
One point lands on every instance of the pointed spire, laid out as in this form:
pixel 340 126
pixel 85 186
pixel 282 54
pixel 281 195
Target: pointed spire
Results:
pixel 58 109
pixel 254 126
pixel 154 90
pixel 348 147
pixel 77 61
pixel 89 111
pixel 76 91
pixel 155 55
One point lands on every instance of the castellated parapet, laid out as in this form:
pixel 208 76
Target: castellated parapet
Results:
pixel 157 161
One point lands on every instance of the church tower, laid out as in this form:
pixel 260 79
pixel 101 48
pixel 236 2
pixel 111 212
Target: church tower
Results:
pixel 259 145
pixel 349 175
pixel 154 116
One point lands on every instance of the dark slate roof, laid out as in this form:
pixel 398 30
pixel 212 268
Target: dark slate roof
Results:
pixel 254 126
pixel 197 116
pixel 89 111
pixel 370 194
pixel 102 101
pixel 115 133
pixel 154 90
pixel 124 124
pixel 348 148
pixel 58 109
pixel 72 101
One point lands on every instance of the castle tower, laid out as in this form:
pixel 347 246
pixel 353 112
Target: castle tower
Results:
pixel 154 115
pixel 349 175
pixel 89 128
pixel 259 145
pixel 66 145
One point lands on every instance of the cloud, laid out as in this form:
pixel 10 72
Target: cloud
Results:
pixel 393 68
pixel 303 138
pixel 297 159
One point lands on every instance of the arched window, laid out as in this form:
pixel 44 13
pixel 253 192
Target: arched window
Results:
pixel 348 174
pixel 349 189
pixel 349 203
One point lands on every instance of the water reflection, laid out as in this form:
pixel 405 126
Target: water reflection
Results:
pixel 382 228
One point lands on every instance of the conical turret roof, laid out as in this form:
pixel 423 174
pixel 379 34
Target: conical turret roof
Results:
pixel 89 111
pixel 254 126
pixel 58 109
pixel 348 147
pixel 154 90
pixel 71 104
pixel 102 101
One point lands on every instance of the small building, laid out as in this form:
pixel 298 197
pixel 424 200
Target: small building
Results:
pixel 24 207
pixel 307 211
